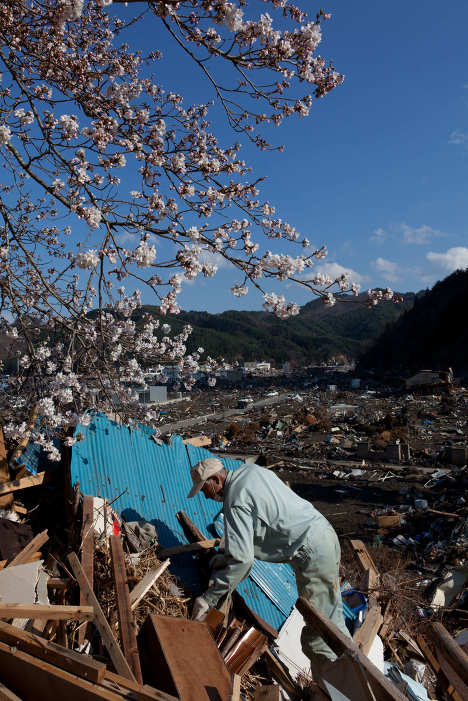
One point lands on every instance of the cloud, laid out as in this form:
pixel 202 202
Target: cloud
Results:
pixel 379 235
pixel 453 259
pixel 390 271
pixel 411 234
pixel 419 235
pixel 334 270
pixel 458 137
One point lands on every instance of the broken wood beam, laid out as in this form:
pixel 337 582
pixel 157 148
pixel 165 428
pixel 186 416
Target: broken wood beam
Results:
pixel 23 483
pixel 201 545
pixel 145 584
pixel 436 668
pixel 339 643
pixel 51 612
pixel 100 621
pixel 29 550
pixel 280 673
pixel 365 635
pixel 192 532
pixel 127 624
pixel 363 556
pixel 83 666
pixel 7 695
pixel 449 648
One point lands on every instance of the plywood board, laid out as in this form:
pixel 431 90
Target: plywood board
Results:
pixel 180 657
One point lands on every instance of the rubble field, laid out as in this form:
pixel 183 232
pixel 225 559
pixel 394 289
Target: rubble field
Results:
pixel 88 592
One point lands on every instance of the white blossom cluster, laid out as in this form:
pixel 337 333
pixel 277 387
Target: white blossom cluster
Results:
pixel 111 181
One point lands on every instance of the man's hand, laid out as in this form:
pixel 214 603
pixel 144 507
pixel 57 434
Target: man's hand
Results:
pixel 200 609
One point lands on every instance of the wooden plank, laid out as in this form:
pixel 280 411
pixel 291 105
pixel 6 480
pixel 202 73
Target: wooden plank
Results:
pixel 32 678
pixel 458 683
pixel 412 644
pixel 5 501
pixel 339 642
pixel 198 441
pixel 23 483
pixel 365 635
pixel 280 673
pixel 235 688
pixel 19 508
pixel 82 665
pixel 7 695
pixel 126 620
pixel 201 545
pixel 145 584
pixel 363 556
pixel 87 552
pixel 100 621
pixel 192 532
pixel 50 612
pixel 451 650
pixel 436 667
pixel 28 553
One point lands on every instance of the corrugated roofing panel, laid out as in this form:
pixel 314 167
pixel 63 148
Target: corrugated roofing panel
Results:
pixel 112 459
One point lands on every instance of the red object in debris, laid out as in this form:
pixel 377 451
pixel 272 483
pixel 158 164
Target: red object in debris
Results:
pixel 115 526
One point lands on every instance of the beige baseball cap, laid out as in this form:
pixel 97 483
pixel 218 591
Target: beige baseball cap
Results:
pixel 202 471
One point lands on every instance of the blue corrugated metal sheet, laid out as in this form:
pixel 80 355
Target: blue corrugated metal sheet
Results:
pixel 111 459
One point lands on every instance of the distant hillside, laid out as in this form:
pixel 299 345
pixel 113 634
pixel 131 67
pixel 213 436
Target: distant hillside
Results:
pixel 315 335
pixel 433 334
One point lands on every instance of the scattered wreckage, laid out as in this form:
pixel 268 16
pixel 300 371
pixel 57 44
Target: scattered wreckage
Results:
pixel 102 556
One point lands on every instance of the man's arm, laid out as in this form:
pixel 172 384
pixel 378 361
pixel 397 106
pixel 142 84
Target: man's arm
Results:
pixel 239 553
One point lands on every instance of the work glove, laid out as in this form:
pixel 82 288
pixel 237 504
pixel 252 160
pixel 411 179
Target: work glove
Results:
pixel 200 609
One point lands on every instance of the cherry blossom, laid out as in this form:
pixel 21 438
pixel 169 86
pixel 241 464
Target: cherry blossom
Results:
pixel 112 179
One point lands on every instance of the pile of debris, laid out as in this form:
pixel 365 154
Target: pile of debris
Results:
pixel 103 555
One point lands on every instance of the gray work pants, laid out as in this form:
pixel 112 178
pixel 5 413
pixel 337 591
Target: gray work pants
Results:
pixel 316 566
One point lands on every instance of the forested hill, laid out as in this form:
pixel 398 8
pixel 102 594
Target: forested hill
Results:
pixel 316 334
pixel 433 334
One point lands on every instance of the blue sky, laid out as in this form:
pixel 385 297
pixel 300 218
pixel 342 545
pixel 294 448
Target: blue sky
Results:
pixel 379 170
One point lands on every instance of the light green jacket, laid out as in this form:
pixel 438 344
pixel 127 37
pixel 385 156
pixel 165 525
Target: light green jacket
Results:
pixel 264 519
